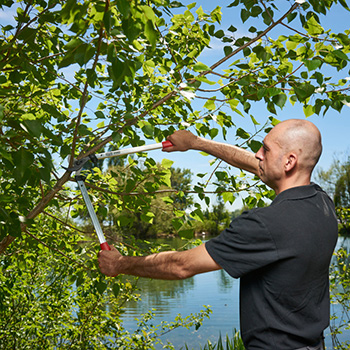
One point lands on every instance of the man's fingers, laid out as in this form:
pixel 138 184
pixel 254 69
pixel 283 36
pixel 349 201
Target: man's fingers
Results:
pixel 169 149
pixel 112 248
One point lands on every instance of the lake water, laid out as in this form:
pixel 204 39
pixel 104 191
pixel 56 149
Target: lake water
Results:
pixel 217 289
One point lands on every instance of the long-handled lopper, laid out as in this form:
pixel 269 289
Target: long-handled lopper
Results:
pixel 78 165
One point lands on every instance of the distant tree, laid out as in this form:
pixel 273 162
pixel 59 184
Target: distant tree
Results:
pixel 220 215
pixel 336 180
pixel 342 187
pixel 153 187
pixel 181 181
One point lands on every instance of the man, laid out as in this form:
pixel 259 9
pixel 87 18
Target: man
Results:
pixel 281 253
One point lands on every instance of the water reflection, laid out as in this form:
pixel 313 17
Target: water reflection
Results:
pixel 162 295
pixel 225 282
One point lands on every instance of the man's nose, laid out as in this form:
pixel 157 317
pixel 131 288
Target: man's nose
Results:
pixel 258 155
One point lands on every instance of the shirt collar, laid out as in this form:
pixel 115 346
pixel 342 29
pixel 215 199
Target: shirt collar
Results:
pixel 299 192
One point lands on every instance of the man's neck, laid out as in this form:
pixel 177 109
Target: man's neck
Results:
pixel 292 182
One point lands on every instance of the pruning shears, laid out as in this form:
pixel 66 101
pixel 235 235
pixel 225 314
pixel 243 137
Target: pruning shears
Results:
pixel 78 166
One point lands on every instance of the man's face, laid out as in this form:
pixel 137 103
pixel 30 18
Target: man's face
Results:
pixel 270 157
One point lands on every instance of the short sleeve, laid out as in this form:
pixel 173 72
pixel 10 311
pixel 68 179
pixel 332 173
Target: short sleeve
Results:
pixel 245 246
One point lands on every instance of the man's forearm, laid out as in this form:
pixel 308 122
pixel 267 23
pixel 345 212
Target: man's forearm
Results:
pixel 233 155
pixel 171 265
pixel 184 140
pixel 165 265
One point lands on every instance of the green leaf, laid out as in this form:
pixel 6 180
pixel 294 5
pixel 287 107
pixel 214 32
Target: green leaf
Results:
pixel 83 54
pixel 232 29
pixel 228 197
pixel 254 145
pixel 274 121
pixel 73 44
pixel 255 122
pixel 242 133
pixel 107 20
pixel 340 54
pixel 210 105
pixel 291 16
pixel 261 53
pixel 148 130
pixel 313 27
pixel 14 224
pixel 267 16
pixel 118 70
pixel 303 91
pixel 53 111
pixel 308 110
pixel 205 80
pixel 291 45
pixel 197 215
pixel 23 159
pixel 28 116
pixel 244 15
pixel 116 289
pixel 219 34
pixel 124 7
pixel 221 175
pixel 312 64
pixel 213 133
pixel 45 174
pixel 280 100
pixel 200 67
pixel 177 223
pixel 34 127
pixel 149 13
pixel 344 4
pixel 228 50
pixel 167 199
pixel 188 234
pixel 256 10
pixel 101 287
pixel 166 163
pixel 261 93
pixel 150 33
pixel 273 91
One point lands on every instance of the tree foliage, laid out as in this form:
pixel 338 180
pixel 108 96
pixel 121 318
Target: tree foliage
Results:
pixel 340 288
pixel 76 76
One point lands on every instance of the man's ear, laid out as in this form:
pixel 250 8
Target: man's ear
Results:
pixel 291 162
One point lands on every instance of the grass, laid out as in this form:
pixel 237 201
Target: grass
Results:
pixel 233 343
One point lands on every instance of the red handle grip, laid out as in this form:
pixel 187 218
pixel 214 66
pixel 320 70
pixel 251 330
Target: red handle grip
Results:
pixel 166 144
pixel 105 246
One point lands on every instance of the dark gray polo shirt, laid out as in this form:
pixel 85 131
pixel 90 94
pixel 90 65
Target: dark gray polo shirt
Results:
pixel 281 254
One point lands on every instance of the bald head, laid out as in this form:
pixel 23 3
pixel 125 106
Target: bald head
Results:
pixel 303 138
